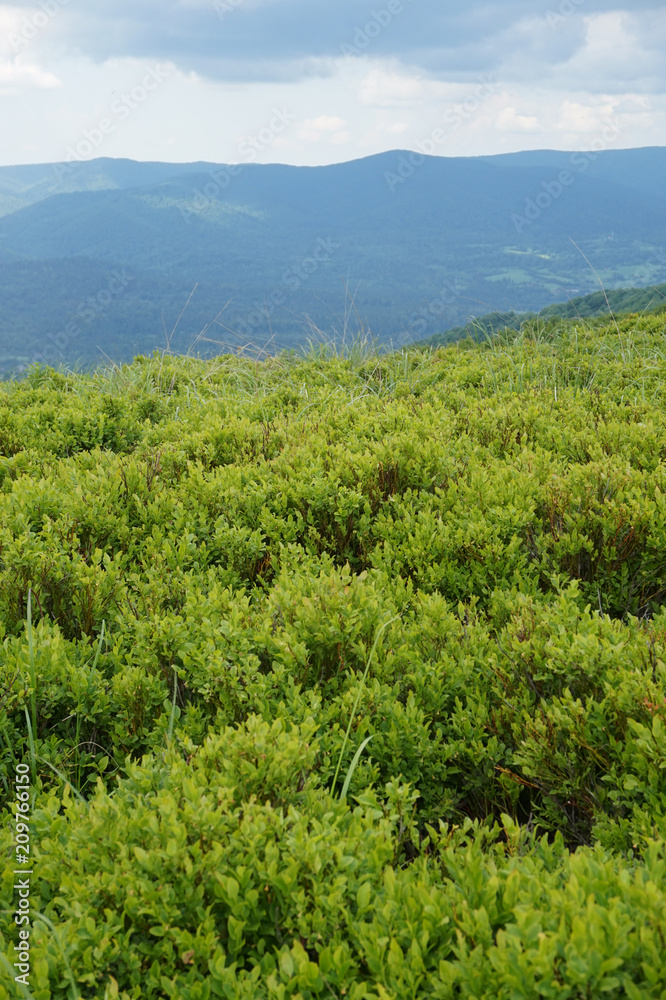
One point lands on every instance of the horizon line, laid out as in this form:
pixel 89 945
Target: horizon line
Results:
pixel 335 163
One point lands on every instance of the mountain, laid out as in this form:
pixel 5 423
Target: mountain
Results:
pixel 100 258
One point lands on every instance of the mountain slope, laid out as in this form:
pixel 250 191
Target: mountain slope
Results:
pixel 419 244
pixel 643 301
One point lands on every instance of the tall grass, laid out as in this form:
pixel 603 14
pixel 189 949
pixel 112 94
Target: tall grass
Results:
pixel 544 354
pixel 353 716
pixel 31 720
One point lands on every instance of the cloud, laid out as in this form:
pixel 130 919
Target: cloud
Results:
pixel 359 76
pixel 18 69
pixel 583 119
pixel 278 40
pixel 328 127
pixel 618 52
pixel 20 76
pixel 326 123
pixel 382 88
pixel 509 120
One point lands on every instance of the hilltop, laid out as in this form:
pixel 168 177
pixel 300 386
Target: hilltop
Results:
pixel 340 673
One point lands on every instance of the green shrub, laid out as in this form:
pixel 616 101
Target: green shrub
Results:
pixel 344 675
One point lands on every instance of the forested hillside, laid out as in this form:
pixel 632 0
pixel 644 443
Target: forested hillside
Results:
pixel 99 258
pixel 339 675
pixel 598 305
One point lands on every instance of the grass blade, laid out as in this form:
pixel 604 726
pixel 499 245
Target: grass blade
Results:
pixel 31 744
pixel 358 697
pixel 173 706
pixel 99 645
pixel 352 766
pixel 31 656
pixel 63 778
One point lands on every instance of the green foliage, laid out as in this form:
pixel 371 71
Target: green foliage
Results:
pixel 341 675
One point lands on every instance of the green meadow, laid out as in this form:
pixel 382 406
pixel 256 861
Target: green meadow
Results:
pixel 339 674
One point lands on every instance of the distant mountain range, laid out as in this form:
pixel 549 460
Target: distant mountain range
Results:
pixel 100 258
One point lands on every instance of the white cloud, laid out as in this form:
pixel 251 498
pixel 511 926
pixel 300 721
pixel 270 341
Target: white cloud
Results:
pixel 577 118
pixel 510 120
pixel 325 123
pixel 617 53
pixel 325 127
pixel 19 75
pixel 309 135
pixel 18 71
pixel 382 88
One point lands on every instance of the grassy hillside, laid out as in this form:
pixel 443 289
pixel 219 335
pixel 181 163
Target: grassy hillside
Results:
pixel 584 307
pixel 339 676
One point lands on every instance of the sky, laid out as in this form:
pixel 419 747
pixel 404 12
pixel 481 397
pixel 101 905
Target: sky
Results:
pixel 323 81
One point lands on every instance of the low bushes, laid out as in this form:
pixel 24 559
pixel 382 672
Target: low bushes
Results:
pixel 211 572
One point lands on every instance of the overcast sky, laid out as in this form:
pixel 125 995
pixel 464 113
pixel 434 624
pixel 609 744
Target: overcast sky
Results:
pixel 320 81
